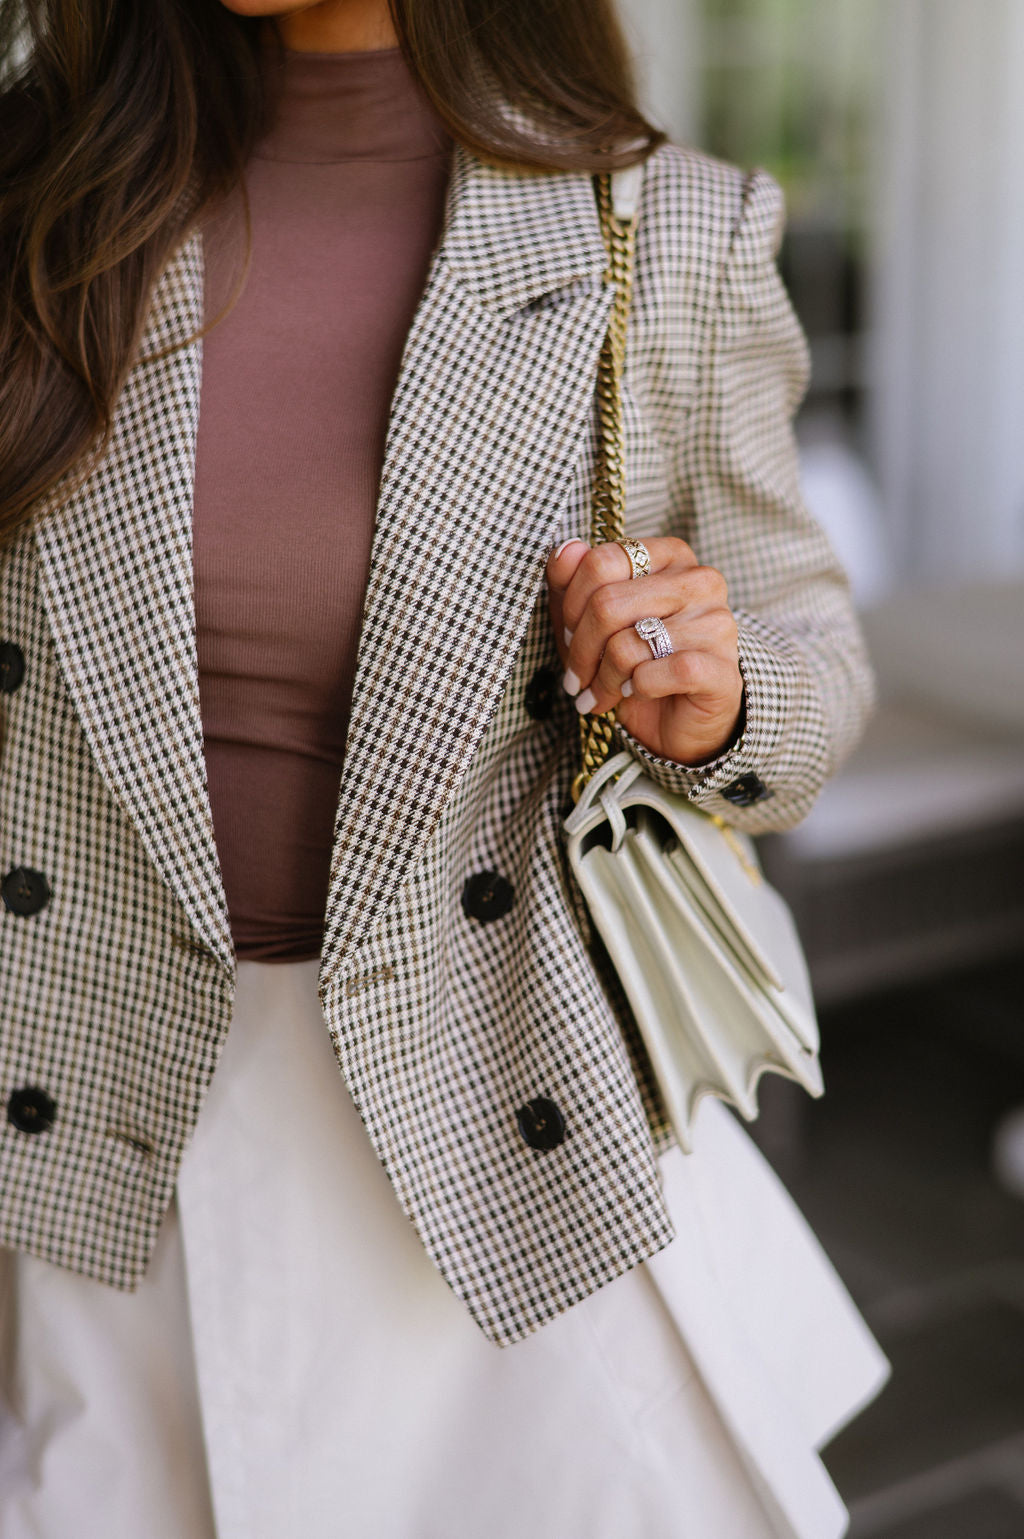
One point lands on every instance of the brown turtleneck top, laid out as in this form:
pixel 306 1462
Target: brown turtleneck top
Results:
pixel 347 197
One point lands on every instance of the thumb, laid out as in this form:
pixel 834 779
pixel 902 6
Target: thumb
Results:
pixel 562 564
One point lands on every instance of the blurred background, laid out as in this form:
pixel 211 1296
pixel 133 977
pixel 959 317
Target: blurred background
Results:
pixel 895 128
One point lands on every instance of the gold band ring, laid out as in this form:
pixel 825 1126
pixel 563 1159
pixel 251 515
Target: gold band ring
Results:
pixel 639 557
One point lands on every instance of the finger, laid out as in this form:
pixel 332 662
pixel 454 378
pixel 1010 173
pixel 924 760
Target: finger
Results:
pixel 695 673
pixel 627 652
pixel 559 568
pixel 612 611
pixel 609 563
pixel 616 606
pixel 563 562
pixel 692 702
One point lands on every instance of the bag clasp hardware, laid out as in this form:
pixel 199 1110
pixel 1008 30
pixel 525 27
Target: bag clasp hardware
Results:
pixel 736 845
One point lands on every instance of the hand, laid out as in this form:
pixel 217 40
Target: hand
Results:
pixel 686 707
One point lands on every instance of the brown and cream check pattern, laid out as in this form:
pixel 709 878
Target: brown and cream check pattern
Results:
pixel 118 993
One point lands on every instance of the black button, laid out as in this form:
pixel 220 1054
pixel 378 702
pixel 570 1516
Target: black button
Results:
pixel 487 895
pixel 12 667
pixel 745 791
pixel 25 891
pixel 541 693
pixel 31 1110
pixel 541 1123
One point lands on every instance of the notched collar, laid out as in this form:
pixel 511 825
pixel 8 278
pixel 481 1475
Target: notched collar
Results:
pixel 511 238
pixel 486 424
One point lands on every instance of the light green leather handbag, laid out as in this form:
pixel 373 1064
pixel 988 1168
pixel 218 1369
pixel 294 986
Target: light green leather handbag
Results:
pixel 706 950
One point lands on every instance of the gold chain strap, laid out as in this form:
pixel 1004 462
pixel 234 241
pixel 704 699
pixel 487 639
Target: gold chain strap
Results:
pixel 608 512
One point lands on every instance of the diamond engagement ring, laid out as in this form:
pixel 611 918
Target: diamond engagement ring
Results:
pixel 639 557
pixel 655 633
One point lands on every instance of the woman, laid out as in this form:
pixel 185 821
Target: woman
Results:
pixel 286 611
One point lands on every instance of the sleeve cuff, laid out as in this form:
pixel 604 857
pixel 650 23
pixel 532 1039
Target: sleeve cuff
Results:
pixel 742 784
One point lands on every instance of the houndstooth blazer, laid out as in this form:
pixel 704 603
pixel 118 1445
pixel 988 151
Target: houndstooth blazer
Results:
pixel 116 958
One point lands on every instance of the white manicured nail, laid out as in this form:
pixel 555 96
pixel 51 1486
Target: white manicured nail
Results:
pixel 570 683
pixel 574 541
pixel 585 702
pixel 567 636
pixel 627 688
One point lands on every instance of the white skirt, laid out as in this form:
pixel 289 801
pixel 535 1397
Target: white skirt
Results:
pixel 293 1365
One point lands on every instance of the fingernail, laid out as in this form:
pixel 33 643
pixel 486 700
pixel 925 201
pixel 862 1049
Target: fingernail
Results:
pixel 585 702
pixel 570 683
pixel 627 688
pixel 574 541
pixel 567 636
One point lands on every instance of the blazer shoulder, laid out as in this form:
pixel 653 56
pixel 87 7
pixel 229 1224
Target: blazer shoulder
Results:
pixel 698 200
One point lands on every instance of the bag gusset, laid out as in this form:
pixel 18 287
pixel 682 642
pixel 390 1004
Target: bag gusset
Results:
pixel 689 927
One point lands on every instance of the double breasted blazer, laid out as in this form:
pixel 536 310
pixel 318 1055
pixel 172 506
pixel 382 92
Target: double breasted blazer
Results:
pixel 116 958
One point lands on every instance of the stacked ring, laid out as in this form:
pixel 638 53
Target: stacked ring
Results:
pixel 639 557
pixel 655 633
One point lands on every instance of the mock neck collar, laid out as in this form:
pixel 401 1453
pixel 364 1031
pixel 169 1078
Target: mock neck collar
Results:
pixel 332 107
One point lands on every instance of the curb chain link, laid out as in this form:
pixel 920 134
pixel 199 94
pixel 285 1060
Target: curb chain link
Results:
pixel 608 510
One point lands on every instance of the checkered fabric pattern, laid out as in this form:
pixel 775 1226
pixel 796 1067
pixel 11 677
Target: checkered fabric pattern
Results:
pixel 118 993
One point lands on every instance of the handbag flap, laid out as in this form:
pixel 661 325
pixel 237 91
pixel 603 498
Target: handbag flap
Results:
pixel 719 866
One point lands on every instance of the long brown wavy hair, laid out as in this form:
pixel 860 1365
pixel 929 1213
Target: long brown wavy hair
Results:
pixel 121 121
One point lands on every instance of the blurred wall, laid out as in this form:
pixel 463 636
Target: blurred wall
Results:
pixel 665 35
pixel 947 340
pixel 895 127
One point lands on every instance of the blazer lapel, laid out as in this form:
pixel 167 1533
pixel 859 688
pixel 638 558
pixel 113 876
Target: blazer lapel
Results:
pixel 493 401
pixel 116 572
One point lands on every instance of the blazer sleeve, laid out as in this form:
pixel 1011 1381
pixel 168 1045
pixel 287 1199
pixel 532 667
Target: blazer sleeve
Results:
pixel 808 685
